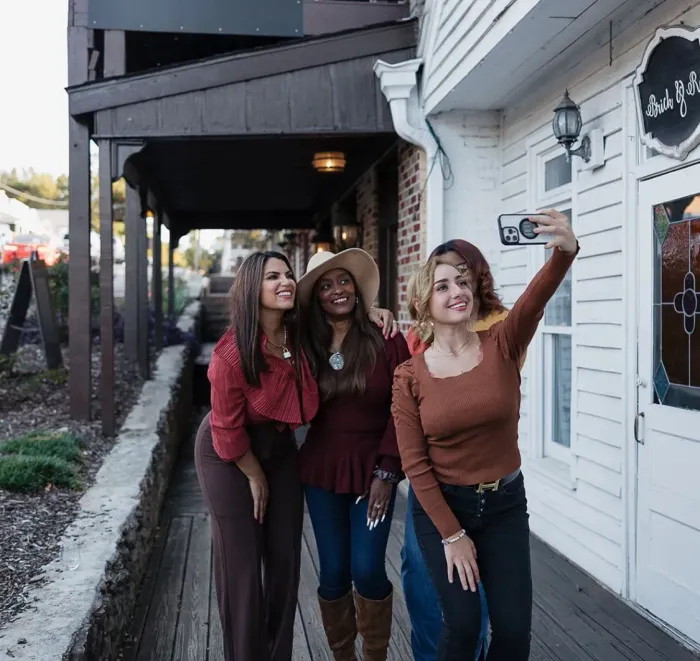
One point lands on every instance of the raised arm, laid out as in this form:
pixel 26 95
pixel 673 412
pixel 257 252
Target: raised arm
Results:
pixel 413 449
pixel 517 330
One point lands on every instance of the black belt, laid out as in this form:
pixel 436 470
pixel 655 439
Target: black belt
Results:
pixel 493 486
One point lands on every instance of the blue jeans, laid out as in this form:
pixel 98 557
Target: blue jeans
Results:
pixel 348 551
pixel 421 599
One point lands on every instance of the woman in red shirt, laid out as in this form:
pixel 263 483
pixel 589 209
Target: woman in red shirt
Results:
pixel 247 461
pixel 350 463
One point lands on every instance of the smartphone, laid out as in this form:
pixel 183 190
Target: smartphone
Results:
pixel 516 229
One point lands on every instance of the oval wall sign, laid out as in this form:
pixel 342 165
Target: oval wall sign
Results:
pixel 667 86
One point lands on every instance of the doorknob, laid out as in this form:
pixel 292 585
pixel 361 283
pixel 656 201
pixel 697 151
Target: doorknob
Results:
pixel 637 436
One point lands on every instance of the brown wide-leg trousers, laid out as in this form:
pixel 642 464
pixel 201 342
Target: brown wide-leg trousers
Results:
pixel 257 623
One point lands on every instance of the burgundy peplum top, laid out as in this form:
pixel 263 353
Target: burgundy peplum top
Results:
pixel 235 404
pixel 351 434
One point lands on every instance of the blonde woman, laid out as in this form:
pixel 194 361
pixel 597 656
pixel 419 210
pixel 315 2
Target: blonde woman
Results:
pixel 456 410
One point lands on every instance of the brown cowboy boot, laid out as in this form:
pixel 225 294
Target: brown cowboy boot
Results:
pixel 374 625
pixel 338 618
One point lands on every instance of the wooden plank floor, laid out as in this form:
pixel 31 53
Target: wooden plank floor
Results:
pixel 176 619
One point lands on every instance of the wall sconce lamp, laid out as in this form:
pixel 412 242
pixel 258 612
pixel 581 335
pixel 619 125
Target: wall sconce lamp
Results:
pixel 347 232
pixel 567 125
pixel 323 239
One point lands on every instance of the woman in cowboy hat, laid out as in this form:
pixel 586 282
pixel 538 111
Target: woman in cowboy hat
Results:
pixel 247 462
pixel 350 463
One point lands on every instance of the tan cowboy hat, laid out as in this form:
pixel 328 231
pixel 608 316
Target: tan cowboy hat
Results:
pixel 358 263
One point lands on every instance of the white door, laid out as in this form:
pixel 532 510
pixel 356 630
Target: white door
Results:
pixel 668 425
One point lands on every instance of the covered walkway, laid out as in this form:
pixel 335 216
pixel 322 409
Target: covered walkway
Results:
pixel 176 617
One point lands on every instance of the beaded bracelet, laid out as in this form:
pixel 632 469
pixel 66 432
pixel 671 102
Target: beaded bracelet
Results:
pixel 454 538
pixel 385 476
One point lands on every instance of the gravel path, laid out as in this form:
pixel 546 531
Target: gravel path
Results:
pixel 31 526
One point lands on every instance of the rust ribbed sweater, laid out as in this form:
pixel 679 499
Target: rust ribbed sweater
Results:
pixel 464 429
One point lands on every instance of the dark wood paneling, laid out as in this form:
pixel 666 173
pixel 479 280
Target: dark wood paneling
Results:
pixel 125 120
pixel 336 98
pixel 354 89
pixel 114 53
pixel 328 16
pixel 79 312
pixel 157 280
pixel 224 110
pixel 311 100
pixel 106 292
pixel 216 72
pixel 181 115
pixel 267 105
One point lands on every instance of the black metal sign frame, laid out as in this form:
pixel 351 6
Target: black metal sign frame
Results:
pixel 667 90
pixel 33 277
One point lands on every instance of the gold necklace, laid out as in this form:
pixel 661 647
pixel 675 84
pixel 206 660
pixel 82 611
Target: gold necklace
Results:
pixel 460 351
pixel 286 353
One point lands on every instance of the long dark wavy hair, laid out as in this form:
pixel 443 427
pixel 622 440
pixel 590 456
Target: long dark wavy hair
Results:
pixel 245 315
pixel 360 348
pixel 485 291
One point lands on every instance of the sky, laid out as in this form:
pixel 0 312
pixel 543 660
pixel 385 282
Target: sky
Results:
pixel 33 100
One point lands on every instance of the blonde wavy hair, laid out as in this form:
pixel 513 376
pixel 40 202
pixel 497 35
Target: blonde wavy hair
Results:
pixel 418 293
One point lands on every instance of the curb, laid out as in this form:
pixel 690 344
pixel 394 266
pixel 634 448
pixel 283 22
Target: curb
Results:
pixel 79 615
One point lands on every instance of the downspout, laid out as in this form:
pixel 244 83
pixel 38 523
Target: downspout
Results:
pixel 399 84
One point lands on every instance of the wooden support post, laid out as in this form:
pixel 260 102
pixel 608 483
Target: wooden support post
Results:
pixel 157 281
pixel 142 285
pixel 132 223
pixel 171 275
pixel 114 53
pixel 79 313
pixel 106 292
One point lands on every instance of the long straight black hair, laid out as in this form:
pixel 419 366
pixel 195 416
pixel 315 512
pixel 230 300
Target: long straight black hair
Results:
pixel 245 315
pixel 360 348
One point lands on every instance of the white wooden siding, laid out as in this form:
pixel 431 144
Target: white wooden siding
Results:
pixel 584 520
pixel 465 27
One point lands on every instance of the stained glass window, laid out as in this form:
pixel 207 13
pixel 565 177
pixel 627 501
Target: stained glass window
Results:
pixel 677 303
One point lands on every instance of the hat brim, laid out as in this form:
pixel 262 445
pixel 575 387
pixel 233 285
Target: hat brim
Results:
pixel 358 263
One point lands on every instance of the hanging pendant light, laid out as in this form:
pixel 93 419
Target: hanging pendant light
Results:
pixel 329 161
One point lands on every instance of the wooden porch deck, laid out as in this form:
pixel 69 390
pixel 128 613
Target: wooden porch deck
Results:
pixel 176 619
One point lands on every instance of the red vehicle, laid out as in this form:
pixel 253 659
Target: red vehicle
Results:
pixel 22 245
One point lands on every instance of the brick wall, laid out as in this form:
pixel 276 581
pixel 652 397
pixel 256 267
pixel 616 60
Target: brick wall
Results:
pixel 411 230
pixel 367 212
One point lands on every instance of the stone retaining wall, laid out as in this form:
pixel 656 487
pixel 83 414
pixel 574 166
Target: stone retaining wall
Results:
pixel 81 612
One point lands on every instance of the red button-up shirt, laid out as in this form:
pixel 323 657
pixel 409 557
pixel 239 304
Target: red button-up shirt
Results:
pixel 235 404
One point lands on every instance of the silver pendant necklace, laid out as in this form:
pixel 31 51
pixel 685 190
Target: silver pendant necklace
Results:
pixel 336 361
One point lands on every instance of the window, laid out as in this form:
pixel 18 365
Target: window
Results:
pixel 557 173
pixel 557 367
pixel 677 303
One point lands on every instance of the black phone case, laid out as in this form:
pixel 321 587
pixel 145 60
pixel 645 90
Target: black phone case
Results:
pixel 515 229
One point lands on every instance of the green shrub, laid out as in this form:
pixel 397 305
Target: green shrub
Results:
pixel 31 473
pixel 43 444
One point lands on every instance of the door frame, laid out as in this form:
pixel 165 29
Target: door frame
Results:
pixel 639 170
